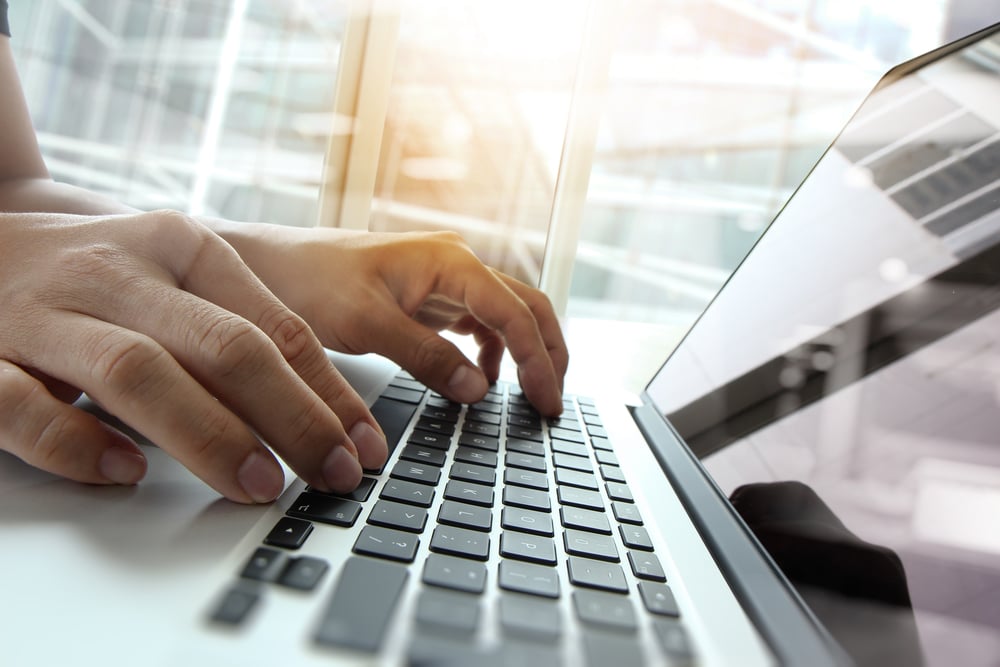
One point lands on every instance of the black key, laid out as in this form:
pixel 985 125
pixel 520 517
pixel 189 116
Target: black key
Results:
pixel 525 461
pixel 440 414
pixel 526 410
pixel 524 421
pixel 480 441
pixel 612 474
pixel 465 516
pixel 467 492
pixel 468 472
pixel 439 401
pixel 235 606
pixel 606 457
pixel 565 421
pixel 289 533
pixel 597 432
pixel 572 462
pixel 589 520
pixel 486 406
pixel 455 613
pixel 594 574
pixel 393 417
pixel 525 447
pixel 626 513
pixel 435 426
pixel 601 443
pixel 484 416
pixel 567 435
pixel 478 428
pixel 303 573
pixel 364 598
pixel 572 448
pixel 533 434
pixel 646 566
pixel 476 455
pixel 602 647
pixel 618 491
pixel 416 472
pixel 402 394
pixel 601 547
pixel 605 609
pixel 635 537
pixel 325 509
pixel 387 543
pixel 529 578
pixel 583 480
pixel 427 439
pixel 423 454
pixel 460 542
pixel 397 515
pixel 359 494
pixel 528 478
pixel 531 548
pixel 569 495
pixel 673 640
pixel 264 565
pixel 420 495
pixel 527 521
pixel 531 618
pixel 658 598
pixel 407 383
pixel 527 498
pixel 459 574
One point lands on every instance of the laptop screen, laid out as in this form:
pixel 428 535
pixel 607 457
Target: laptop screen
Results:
pixel 844 387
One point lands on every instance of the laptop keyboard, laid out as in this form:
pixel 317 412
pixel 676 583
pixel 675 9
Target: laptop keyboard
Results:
pixel 561 501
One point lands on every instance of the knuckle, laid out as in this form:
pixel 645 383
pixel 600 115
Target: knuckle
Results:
pixel 231 344
pixel 294 338
pixel 46 447
pixel 431 354
pixel 215 435
pixel 127 363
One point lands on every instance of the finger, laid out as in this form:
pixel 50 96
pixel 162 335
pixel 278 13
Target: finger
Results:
pixel 136 380
pixel 51 435
pixel 548 323
pixel 491 345
pixel 234 287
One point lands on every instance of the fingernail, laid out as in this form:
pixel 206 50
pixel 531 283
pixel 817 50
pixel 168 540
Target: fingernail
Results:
pixel 261 478
pixel 341 471
pixel 372 448
pixel 467 385
pixel 122 466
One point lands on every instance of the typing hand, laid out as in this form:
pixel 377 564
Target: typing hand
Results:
pixel 158 320
pixel 393 293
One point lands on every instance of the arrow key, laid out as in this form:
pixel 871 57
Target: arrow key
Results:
pixel 289 533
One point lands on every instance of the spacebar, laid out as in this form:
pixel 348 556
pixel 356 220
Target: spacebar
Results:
pixel 362 604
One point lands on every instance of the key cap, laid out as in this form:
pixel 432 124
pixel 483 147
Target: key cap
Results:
pixel 393 417
pixel 235 606
pixel 592 420
pixel 479 428
pixel 450 612
pixel 435 426
pixel 612 474
pixel 605 609
pixel 467 492
pixel 673 640
pixel 442 414
pixel 529 578
pixel 398 515
pixel 387 543
pixel 325 509
pixel 289 533
pixel 571 462
pixel 602 444
pixel 484 416
pixel 579 543
pixel 420 495
pixel 460 542
pixel 423 454
pixel 568 495
pixel 658 598
pixel 530 617
pixel 465 516
pixel 589 520
pixel 480 441
pixel 524 421
pixel 602 648
pixel 303 573
pixel 521 433
pixel 565 421
pixel 358 495
pixel 401 394
pixel 458 574
pixel 407 383
pixel 525 447
pixel 487 406
pixel 626 513
pixel 531 548
pixel 416 472
pixel 528 478
pixel 635 537
pixel 527 521
pixel 476 456
pixel 618 491
pixel 646 566
pixel 531 499
pixel 583 480
pixel 606 457
pixel 525 461
pixel 570 448
pixel 597 432
pixel 595 574
pixel 264 565
pixel 567 435
pixel 468 472
pixel 436 440
pixel 364 598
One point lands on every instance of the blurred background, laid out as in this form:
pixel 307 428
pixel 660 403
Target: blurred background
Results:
pixel 649 142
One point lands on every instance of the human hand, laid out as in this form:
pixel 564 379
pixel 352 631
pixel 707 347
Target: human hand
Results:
pixel 392 293
pixel 159 321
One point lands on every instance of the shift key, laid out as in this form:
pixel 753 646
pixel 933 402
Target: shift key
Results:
pixel 364 598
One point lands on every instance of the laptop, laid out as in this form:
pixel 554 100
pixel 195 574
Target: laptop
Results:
pixel 812 477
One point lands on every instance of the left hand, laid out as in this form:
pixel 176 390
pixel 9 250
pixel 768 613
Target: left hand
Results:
pixel 393 293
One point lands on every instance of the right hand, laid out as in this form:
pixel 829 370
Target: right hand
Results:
pixel 161 323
